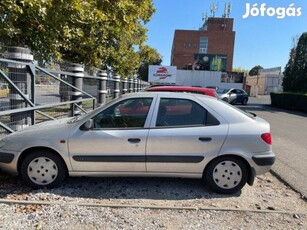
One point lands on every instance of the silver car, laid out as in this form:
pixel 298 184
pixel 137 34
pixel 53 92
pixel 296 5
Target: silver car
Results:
pixel 159 134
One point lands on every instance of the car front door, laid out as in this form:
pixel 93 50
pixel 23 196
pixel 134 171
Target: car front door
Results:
pixel 117 141
pixel 184 139
pixel 232 96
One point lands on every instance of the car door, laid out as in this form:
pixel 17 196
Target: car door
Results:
pixel 232 96
pixel 240 95
pixel 117 141
pixel 186 136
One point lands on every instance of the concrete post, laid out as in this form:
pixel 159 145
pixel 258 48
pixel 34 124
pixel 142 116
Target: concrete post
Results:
pixel 78 71
pixel 135 84
pixel 125 86
pixel 102 89
pixel 139 85
pixel 131 82
pixel 20 75
pixel 116 85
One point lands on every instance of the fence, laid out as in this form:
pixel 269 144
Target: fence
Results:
pixel 30 94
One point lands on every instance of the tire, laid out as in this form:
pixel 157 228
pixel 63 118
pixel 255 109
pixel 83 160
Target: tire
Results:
pixel 244 102
pixel 225 99
pixel 43 169
pixel 226 175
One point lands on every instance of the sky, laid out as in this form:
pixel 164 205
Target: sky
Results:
pixel 264 37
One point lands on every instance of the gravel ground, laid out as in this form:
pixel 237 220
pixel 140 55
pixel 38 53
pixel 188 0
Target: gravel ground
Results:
pixel 149 203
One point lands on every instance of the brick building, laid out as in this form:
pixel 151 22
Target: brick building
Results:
pixel 209 48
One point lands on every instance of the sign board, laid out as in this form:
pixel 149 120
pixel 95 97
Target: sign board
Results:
pixel 210 62
pixel 276 70
pixel 232 77
pixel 162 74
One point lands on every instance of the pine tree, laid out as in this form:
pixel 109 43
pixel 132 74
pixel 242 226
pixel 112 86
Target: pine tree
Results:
pixel 295 79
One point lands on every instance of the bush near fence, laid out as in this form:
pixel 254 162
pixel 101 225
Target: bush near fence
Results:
pixel 288 100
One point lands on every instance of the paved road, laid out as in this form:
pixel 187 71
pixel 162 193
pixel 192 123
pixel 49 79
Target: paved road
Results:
pixel 289 130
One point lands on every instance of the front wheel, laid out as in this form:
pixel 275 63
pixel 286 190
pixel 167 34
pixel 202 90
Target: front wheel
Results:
pixel 43 169
pixel 226 175
pixel 244 102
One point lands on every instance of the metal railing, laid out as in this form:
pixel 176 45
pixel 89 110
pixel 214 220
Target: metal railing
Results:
pixel 30 94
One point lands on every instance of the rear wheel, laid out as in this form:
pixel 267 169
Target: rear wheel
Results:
pixel 41 168
pixel 226 175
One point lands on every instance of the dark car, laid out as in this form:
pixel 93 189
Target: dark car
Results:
pixel 233 96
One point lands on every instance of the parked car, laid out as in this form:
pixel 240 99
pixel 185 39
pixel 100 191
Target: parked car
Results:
pixel 185 89
pixel 173 135
pixel 233 96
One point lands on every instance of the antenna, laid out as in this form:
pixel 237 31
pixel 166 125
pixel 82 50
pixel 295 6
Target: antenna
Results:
pixel 213 9
pixel 225 11
pixel 229 7
pixel 204 17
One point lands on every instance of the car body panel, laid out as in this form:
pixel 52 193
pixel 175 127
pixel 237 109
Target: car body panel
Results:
pixel 110 150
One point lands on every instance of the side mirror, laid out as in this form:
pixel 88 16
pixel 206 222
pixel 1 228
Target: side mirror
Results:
pixel 87 125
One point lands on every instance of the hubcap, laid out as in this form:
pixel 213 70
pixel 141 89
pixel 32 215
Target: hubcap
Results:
pixel 227 174
pixel 42 171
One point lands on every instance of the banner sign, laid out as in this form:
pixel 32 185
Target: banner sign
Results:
pixel 210 62
pixel 232 77
pixel 162 74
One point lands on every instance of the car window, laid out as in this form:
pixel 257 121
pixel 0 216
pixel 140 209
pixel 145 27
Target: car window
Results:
pixel 130 113
pixel 183 112
pixel 221 91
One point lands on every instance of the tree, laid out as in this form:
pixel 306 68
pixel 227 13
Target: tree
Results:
pixel 240 70
pixel 90 32
pixel 149 56
pixel 255 70
pixel 295 79
pixel 287 80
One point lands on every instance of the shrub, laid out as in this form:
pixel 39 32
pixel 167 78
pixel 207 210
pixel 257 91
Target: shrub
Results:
pixel 288 100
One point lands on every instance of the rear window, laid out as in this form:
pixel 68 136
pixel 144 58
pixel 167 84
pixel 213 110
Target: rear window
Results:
pixel 183 112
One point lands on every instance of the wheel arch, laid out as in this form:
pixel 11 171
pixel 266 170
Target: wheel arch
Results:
pixel 250 170
pixel 27 151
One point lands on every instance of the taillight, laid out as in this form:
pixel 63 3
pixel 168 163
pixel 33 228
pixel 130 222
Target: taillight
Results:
pixel 267 138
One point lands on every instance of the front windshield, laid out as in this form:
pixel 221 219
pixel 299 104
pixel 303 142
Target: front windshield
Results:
pixel 221 91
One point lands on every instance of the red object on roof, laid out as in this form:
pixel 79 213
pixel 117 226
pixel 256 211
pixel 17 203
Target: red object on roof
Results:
pixel 185 89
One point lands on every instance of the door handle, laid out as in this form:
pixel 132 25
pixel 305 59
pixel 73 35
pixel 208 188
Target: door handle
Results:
pixel 134 140
pixel 205 139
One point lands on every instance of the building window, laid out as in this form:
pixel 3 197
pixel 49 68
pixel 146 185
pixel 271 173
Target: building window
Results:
pixel 203 45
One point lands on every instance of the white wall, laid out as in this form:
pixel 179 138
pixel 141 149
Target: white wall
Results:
pixel 203 78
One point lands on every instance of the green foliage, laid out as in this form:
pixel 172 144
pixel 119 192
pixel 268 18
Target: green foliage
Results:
pixel 149 56
pixel 240 70
pixel 90 32
pixel 295 73
pixel 255 70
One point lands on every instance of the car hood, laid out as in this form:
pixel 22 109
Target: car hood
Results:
pixel 43 134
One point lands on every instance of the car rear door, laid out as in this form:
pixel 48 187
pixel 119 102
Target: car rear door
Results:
pixel 184 137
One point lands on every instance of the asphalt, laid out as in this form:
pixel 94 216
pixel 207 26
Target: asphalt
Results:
pixel 289 132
